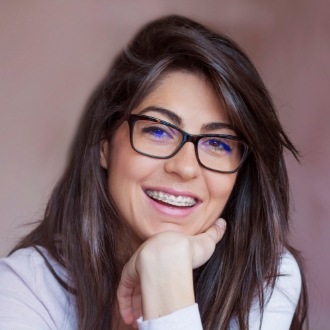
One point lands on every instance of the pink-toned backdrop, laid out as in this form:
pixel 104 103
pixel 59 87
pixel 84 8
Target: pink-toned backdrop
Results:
pixel 52 53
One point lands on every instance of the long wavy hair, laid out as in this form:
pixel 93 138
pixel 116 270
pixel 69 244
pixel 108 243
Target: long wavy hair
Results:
pixel 82 228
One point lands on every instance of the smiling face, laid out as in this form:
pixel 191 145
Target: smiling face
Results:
pixel 192 197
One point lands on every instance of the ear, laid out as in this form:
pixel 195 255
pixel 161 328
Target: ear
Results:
pixel 104 147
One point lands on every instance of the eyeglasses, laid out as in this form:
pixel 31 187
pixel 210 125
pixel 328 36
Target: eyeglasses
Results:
pixel 157 138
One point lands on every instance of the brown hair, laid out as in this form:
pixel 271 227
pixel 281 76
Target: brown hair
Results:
pixel 82 214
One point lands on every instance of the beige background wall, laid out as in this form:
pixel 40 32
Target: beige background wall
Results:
pixel 52 53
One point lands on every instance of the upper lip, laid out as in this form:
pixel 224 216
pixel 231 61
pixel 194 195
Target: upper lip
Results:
pixel 175 192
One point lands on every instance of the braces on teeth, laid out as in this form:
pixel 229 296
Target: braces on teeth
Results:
pixel 170 199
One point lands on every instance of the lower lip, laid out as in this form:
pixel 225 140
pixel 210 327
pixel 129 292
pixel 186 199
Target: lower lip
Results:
pixel 172 210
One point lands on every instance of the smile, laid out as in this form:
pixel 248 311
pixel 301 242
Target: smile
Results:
pixel 182 201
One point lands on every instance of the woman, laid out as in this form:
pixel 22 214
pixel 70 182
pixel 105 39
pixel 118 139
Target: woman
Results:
pixel 180 132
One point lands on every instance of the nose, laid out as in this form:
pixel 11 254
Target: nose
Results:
pixel 184 164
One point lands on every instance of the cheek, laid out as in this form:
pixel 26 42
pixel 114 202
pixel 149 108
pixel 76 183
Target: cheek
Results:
pixel 220 187
pixel 127 169
pixel 126 166
pixel 119 162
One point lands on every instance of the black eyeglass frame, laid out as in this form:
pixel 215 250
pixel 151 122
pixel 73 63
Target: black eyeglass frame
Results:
pixel 186 137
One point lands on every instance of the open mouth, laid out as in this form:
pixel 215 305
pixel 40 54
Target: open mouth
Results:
pixel 168 199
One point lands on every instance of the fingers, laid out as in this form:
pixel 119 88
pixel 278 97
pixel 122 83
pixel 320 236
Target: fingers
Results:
pixel 136 305
pixel 128 282
pixel 217 230
pixel 204 244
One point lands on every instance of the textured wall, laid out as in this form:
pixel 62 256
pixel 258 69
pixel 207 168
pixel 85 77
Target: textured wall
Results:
pixel 52 53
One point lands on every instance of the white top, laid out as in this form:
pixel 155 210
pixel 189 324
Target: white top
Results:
pixel 31 298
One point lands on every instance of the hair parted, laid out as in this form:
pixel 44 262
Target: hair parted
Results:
pixel 82 227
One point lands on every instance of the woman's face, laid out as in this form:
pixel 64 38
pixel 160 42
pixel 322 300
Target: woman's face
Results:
pixel 134 177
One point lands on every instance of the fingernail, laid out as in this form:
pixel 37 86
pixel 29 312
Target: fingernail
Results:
pixel 221 223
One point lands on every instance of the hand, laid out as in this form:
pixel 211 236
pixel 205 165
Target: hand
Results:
pixel 159 274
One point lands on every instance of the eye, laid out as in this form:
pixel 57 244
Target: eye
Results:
pixel 157 132
pixel 217 145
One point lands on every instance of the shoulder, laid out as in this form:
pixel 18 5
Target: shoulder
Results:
pixel 28 290
pixel 288 263
pixel 26 259
pixel 29 267
pixel 23 265
pixel 289 279
pixel 280 301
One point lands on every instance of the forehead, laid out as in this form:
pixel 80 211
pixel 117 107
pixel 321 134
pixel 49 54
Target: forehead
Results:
pixel 190 96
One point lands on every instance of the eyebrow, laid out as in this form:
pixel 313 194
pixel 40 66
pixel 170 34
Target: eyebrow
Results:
pixel 167 113
pixel 215 125
pixel 178 120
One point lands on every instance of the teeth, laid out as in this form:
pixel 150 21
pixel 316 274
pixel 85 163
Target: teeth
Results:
pixel 171 199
